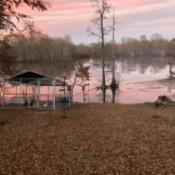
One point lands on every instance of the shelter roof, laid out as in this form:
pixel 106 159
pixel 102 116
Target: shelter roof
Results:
pixel 31 77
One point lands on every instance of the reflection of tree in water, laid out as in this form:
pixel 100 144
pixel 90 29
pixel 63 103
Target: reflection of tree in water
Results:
pixel 110 98
pixel 141 64
pixel 54 69
pixel 114 91
pixel 126 65
pixel 99 97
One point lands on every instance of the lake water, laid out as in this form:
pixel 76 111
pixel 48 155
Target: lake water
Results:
pixel 141 80
pixel 136 85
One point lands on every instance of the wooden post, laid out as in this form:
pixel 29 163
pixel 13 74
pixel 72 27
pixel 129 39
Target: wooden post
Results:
pixel 28 99
pixel 48 94
pixel 21 91
pixel 38 95
pixel 3 92
pixel 88 92
pixel 54 107
pixel 16 90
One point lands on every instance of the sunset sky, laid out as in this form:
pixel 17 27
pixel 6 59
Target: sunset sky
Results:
pixel 137 17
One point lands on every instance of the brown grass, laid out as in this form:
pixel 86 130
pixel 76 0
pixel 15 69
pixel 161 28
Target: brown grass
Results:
pixel 95 139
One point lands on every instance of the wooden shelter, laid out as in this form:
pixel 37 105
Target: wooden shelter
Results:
pixel 31 78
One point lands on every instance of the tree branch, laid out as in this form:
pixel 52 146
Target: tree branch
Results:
pixel 94 34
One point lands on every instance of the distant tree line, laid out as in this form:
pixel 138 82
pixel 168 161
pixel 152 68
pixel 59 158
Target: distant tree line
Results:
pixel 156 46
pixel 35 46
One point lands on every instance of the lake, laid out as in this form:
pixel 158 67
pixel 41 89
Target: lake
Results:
pixel 140 79
pixel 137 84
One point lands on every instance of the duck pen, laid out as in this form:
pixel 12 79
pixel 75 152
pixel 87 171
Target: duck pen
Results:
pixel 34 89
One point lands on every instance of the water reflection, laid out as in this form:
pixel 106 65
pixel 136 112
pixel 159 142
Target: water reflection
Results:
pixel 115 94
pixel 54 69
pixel 127 72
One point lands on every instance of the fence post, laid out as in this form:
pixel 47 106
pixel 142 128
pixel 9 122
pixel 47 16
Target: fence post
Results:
pixel 3 92
pixel 54 107
pixel 38 95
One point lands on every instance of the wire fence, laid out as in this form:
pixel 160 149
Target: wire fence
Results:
pixel 32 95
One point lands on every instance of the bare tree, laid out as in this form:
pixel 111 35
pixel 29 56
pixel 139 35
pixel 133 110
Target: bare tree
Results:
pixel 113 82
pixel 35 46
pixel 102 8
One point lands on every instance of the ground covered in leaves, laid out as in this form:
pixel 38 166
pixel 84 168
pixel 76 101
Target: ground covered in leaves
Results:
pixel 94 139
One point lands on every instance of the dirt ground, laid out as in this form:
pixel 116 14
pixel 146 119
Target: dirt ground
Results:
pixel 94 139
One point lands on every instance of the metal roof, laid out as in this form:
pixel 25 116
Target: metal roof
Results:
pixel 31 77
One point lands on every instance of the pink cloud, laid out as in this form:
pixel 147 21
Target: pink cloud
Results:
pixel 135 3
pixel 136 16
pixel 63 7
pixel 75 6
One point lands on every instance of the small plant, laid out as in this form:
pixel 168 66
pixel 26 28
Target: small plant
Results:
pixel 83 77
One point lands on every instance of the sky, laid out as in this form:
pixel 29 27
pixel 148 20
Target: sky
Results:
pixel 135 17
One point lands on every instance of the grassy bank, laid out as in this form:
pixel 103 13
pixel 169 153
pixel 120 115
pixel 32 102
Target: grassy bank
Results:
pixel 95 139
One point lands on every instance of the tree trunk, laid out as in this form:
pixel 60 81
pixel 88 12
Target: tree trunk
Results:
pixel 114 85
pixel 113 95
pixel 103 63
pixel 103 80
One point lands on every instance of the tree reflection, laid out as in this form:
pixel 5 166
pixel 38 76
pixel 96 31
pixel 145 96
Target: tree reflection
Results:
pixel 114 91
